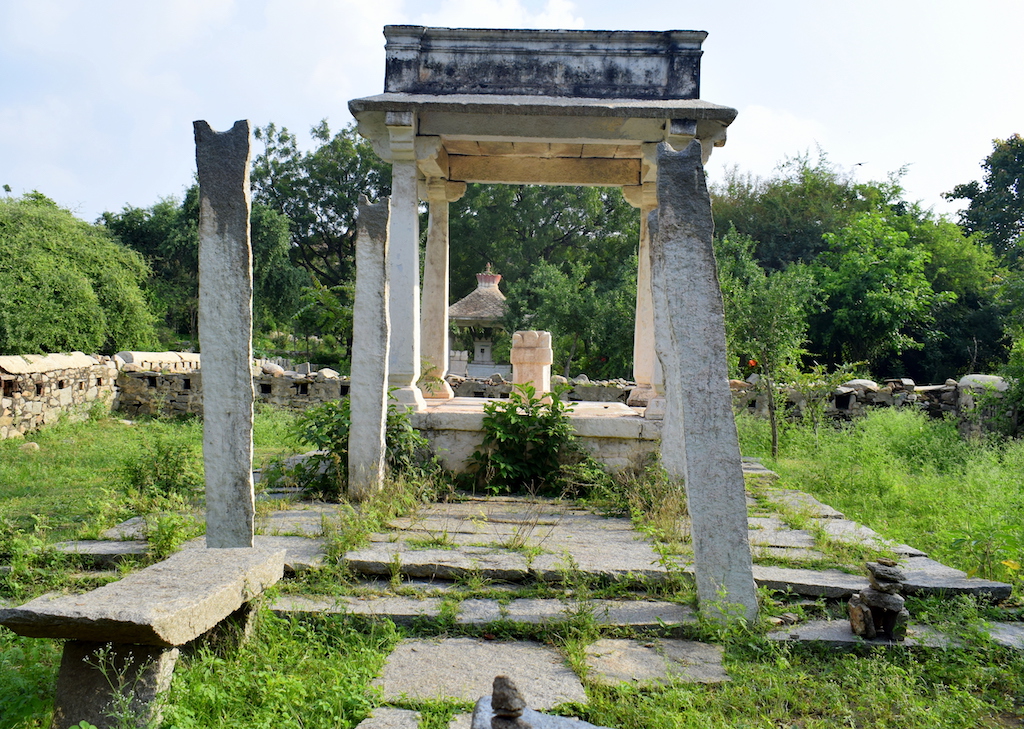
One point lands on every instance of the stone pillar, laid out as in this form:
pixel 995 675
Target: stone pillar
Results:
pixel 225 332
pixel 646 367
pixel 699 444
pixel 531 360
pixel 97 681
pixel 371 328
pixel 434 317
pixel 404 262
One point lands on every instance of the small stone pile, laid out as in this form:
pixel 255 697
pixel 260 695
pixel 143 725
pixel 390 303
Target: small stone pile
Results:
pixel 507 704
pixel 878 611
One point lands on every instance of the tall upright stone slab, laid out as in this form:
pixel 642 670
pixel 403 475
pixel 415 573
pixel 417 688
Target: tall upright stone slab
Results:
pixel 368 394
pixel 225 332
pixel 699 442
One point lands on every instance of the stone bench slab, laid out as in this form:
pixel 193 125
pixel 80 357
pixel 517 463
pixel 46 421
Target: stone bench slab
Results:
pixel 167 604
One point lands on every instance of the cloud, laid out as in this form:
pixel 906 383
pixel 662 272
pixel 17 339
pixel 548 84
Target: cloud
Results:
pixel 502 14
pixel 762 137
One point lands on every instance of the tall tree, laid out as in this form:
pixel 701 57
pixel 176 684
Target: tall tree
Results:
pixel 67 285
pixel 996 204
pixel 318 192
pixel 788 213
pixel 876 294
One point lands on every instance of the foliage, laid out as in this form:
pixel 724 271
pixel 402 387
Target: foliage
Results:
pixel 591 323
pixel 326 428
pixel 166 466
pixel 874 290
pixel 914 480
pixel 529 445
pixel 291 673
pixel 317 191
pixel 67 285
pixel 568 260
pixel 167 235
pixel 789 213
pixel 996 204
pixel 766 315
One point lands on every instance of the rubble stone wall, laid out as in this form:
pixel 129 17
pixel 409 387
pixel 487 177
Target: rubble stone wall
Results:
pixel 37 390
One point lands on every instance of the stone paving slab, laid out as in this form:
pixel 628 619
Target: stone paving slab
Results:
pixel 1010 635
pixel 478 612
pixel 925 576
pixel 654 662
pixel 792 554
pixel 772 532
pixel 103 553
pixel 464 669
pixel 400 610
pixel 385 718
pixel 831 584
pixel 837 633
pixel 301 553
pixel 801 502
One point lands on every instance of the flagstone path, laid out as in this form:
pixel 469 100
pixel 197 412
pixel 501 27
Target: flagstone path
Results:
pixel 430 568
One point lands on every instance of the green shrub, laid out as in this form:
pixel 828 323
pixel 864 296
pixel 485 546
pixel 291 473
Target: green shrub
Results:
pixel 165 467
pixel 326 428
pixel 529 446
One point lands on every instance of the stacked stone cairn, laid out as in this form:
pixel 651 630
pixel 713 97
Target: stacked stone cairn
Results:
pixel 506 708
pixel 878 611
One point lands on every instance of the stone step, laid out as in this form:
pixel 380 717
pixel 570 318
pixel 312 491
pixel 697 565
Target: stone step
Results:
pixel 638 614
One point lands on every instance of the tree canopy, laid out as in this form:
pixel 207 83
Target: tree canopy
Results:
pixel 996 204
pixel 67 285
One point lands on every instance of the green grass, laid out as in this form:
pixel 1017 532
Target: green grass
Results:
pixel 915 481
pixel 911 479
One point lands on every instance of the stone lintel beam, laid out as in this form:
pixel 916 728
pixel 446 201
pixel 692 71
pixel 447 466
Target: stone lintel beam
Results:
pixel 555 171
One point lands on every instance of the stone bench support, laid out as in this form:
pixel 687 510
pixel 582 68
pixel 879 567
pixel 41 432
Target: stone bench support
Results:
pixel 531 360
pixel 123 638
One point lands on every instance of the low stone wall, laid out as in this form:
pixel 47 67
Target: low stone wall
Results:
pixel 181 393
pixel 39 389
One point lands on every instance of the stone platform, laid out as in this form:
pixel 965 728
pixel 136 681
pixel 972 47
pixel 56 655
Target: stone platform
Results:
pixel 617 435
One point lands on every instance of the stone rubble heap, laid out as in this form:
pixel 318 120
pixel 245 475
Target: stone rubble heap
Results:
pixel 878 611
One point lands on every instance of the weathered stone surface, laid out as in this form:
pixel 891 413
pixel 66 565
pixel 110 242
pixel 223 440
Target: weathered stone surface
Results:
pixel 167 604
pixel 881 600
pixel 225 332
pixel 1010 635
pixel 925 576
pixel 614 661
pixel 690 341
pixel 385 718
pixel 103 553
pixel 884 573
pixel 803 503
pixel 862 621
pixel 300 553
pixel 370 346
pixel 84 691
pixel 464 668
pixel 400 610
pixel 478 612
pixel 837 633
pixel 814 583
pixel 506 701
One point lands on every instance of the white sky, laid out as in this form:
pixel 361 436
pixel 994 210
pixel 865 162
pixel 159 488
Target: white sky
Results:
pixel 97 97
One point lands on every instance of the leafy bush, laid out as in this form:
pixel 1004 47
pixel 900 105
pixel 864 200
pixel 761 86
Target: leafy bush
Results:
pixel 67 284
pixel 529 446
pixel 165 467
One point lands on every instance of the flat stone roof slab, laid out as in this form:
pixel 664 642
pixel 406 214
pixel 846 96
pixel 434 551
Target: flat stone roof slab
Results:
pixel 464 669
pixel 615 661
